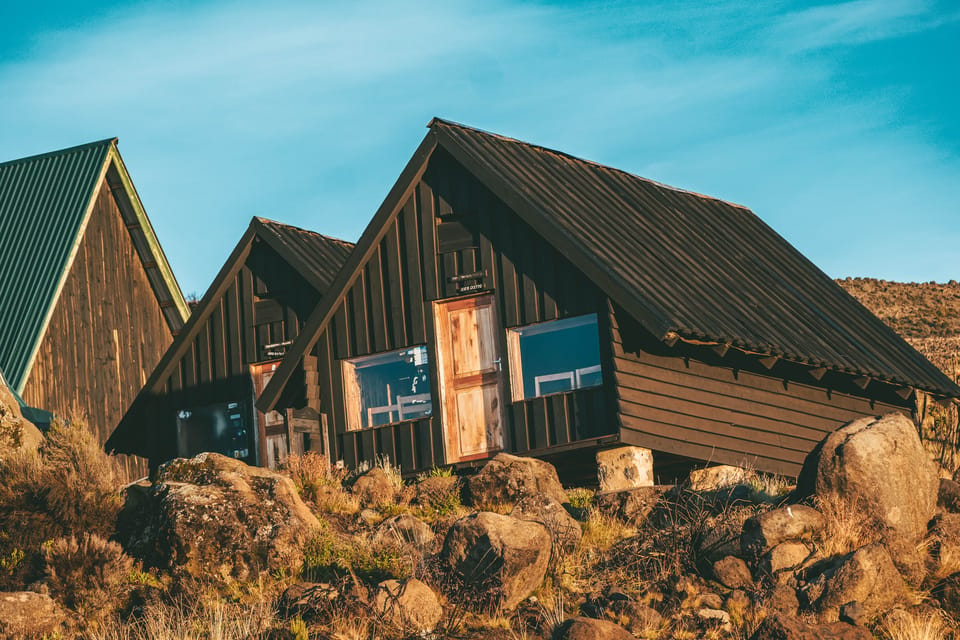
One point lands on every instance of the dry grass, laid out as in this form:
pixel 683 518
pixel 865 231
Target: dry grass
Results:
pixel 89 575
pixel 846 527
pixel 930 624
pixel 602 531
pixel 217 620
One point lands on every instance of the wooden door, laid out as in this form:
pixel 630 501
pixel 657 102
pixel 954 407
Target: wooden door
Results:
pixel 470 381
pixel 273 437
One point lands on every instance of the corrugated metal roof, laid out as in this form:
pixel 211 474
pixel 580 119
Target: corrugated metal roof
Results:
pixel 43 205
pixel 317 257
pixel 690 264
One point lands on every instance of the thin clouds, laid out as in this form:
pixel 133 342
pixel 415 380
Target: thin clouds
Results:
pixel 853 23
pixel 306 111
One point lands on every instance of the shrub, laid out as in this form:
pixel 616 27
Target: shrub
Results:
pixel 329 555
pixel 88 575
pixel 68 488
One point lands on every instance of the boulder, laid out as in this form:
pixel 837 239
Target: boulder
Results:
pixel 504 557
pixel 948 495
pixel 437 491
pixel 714 618
pixel 879 466
pixel 310 601
pixel 507 478
pixel 869 577
pixel 591 629
pixel 631 506
pixel 624 468
pixel 779 627
pixel 564 531
pixel 715 477
pixel 947 593
pixel 786 556
pixel 764 531
pixel 16 432
pixel 733 573
pixel 25 614
pixel 405 529
pixel 782 599
pixel 409 606
pixel 374 488
pixel 215 518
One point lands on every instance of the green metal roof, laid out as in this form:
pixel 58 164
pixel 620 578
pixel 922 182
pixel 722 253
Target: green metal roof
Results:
pixel 43 205
pixel 45 202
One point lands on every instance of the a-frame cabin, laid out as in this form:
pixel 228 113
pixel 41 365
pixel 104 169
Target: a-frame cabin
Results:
pixel 200 395
pixel 510 297
pixel 88 303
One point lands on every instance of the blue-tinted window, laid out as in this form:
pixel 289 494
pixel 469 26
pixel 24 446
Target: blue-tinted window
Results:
pixel 553 357
pixel 387 387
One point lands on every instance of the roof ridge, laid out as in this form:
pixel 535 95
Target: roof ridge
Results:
pixel 268 222
pixel 594 163
pixel 50 154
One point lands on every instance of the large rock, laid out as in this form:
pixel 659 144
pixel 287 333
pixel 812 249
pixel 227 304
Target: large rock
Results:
pixel 212 517
pixel 591 629
pixel 716 477
pixel 409 606
pixel 869 577
pixel 766 530
pixel 624 468
pixel 948 495
pixel 504 557
pixel 879 466
pixel 507 478
pixel 733 573
pixel 564 529
pixel 16 432
pixel 404 529
pixel 374 488
pixel 631 505
pixel 780 627
pixel 25 614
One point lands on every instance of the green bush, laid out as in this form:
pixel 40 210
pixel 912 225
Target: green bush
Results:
pixel 329 555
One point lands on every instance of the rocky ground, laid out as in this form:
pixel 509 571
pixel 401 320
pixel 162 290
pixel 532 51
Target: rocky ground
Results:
pixel 867 544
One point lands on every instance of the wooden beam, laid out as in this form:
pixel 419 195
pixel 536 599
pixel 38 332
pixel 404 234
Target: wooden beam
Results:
pixel 671 338
pixel 818 373
pixel 905 392
pixel 769 361
pixel 863 382
pixel 721 349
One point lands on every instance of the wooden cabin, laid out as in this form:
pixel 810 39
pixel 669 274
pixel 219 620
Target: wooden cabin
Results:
pixel 88 303
pixel 200 395
pixel 507 297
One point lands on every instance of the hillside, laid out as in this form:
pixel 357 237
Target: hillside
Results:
pixel 926 314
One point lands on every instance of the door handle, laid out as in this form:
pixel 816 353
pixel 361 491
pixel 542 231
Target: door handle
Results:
pixel 497 362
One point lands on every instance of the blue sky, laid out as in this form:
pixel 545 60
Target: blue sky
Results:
pixel 837 124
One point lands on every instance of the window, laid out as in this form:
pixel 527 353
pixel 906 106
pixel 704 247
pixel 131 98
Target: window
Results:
pixel 214 427
pixel 553 357
pixel 387 387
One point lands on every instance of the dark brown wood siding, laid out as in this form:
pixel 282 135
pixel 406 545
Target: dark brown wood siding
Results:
pixel 106 333
pixel 450 226
pixel 264 304
pixel 722 411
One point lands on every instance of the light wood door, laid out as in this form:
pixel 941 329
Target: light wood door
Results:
pixel 470 381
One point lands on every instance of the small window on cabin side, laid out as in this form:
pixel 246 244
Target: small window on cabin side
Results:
pixel 387 387
pixel 554 357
